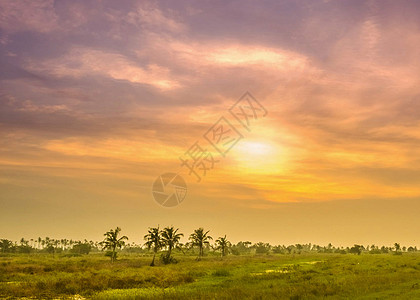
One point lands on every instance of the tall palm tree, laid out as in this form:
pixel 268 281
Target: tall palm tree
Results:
pixel 153 240
pixel 223 245
pixel 200 238
pixel 112 242
pixel 170 238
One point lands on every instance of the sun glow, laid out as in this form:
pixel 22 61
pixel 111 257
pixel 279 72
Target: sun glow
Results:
pixel 255 148
pixel 259 157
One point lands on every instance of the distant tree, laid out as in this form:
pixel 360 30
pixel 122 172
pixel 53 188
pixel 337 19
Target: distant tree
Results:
pixel 262 248
pixel 81 248
pixel 56 243
pixel 49 249
pixel 170 239
pixel 48 245
pixel 241 247
pixel 375 250
pixel 112 242
pixel 6 245
pixel 397 248
pixel 299 247
pixel 199 238
pixel 278 249
pixel 153 240
pixel 24 246
pixel 329 248
pixel 356 249
pixel 223 245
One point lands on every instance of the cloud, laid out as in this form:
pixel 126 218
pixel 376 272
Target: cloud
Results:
pixel 230 54
pixel 28 15
pixel 149 16
pixel 349 107
pixel 98 98
pixel 84 62
pixel 32 107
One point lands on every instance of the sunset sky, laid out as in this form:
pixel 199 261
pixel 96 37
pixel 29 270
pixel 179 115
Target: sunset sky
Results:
pixel 98 98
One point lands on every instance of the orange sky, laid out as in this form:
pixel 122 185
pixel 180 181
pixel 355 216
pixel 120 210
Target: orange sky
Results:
pixel 98 99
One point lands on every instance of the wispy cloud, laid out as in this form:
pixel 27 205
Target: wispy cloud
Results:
pixel 98 90
pixel 28 15
pixel 79 63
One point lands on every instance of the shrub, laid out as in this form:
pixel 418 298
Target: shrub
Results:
pixel 221 273
pixel 164 258
pixel 81 248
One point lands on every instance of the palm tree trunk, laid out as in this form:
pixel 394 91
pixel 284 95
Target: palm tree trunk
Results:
pixel 153 260
pixel 200 253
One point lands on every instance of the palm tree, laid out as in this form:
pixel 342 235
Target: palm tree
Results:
pixel 170 238
pixel 200 238
pixel 5 245
pixel 153 240
pixel 223 245
pixel 112 242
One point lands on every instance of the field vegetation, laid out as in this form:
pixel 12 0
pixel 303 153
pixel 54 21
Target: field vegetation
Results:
pixel 164 268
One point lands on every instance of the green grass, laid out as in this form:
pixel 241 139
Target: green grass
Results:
pixel 304 276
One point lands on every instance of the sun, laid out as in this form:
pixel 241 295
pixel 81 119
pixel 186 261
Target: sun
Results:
pixel 258 157
pixel 255 148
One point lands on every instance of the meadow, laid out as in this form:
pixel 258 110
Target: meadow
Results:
pixel 251 276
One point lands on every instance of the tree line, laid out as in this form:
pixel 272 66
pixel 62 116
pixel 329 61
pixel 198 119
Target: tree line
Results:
pixel 167 240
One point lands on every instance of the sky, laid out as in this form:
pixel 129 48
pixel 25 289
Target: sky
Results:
pixel 99 98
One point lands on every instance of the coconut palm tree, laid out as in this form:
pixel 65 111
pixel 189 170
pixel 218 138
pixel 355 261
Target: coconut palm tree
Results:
pixel 5 245
pixel 223 245
pixel 200 238
pixel 170 238
pixel 112 242
pixel 153 240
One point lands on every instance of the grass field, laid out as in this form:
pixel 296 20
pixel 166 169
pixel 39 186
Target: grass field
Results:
pixel 299 276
